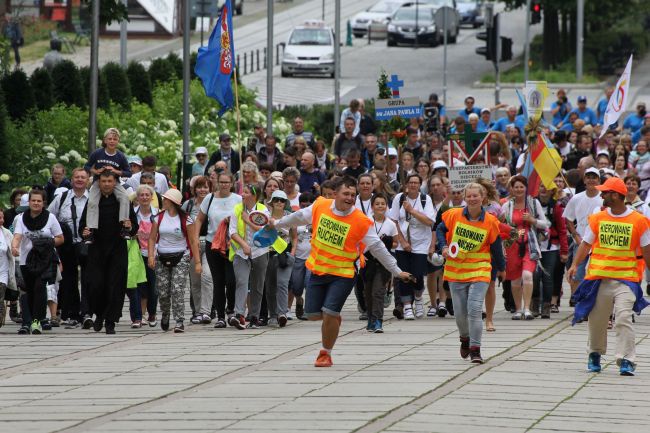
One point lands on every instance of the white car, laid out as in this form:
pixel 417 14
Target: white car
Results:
pixel 378 13
pixel 309 50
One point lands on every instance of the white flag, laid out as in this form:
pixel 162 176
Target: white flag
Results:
pixel 618 101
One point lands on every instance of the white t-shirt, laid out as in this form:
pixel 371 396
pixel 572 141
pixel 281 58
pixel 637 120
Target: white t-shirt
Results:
pixel 590 237
pixel 220 209
pixel 386 227
pixel 579 207
pixel 172 239
pixel 160 182
pixel 51 229
pixel 364 206
pixel 420 234
pixel 304 242
pixel 4 263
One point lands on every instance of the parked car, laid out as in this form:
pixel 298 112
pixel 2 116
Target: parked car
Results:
pixel 411 20
pixel 454 25
pixel 471 12
pixel 377 13
pixel 309 50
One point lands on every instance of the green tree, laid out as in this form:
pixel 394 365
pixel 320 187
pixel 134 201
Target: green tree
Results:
pixel 161 71
pixel 3 135
pixel 19 96
pixel 177 63
pixel 67 84
pixel 103 99
pixel 119 89
pixel 41 82
pixel 140 83
pixel 109 11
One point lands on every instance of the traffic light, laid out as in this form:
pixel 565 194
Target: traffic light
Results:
pixel 535 12
pixel 506 49
pixel 490 38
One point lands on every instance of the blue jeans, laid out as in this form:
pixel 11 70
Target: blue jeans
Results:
pixel 327 294
pixel 147 290
pixel 299 277
pixel 468 308
pixel 135 309
pixel 581 269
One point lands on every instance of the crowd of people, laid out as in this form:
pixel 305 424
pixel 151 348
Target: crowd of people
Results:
pixel 361 214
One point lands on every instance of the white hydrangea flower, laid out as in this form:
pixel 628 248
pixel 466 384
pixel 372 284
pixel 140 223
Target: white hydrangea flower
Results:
pixel 142 123
pixel 4 177
pixel 51 155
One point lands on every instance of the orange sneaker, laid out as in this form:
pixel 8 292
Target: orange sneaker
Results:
pixel 324 359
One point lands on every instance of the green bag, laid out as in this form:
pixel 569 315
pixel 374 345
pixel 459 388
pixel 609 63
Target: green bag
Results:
pixel 137 273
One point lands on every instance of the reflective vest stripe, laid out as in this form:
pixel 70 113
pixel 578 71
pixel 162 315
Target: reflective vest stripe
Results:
pixel 319 269
pixel 468 265
pixel 321 246
pixel 614 274
pixel 337 263
pixel 469 255
pixel 614 263
pixel 613 253
pixel 467 275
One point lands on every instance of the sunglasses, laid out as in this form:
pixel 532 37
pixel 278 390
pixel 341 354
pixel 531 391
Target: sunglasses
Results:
pixel 278 200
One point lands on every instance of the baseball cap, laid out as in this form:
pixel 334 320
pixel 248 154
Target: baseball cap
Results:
pixel 582 98
pixel 592 170
pixel 392 151
pixel 439 164
pixel 24 203
pixel 615 184
pixel 201 151
pixel 135 160
pixel 278 193
pixel 224 137
pixel 485 110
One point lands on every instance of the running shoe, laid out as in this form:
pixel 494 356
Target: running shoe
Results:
pixel 206 319
pixel 282 320
pixel 220 323
pixel 378 327
pixel 46 325
pixel 98 324
pixel 475 355
pixel 593 364
pixel 370 327
pixel 432 312
pixel 110 327
pixel 324 359
pixel 36 328
pixel 24 330
pixel 196 319
pixel 235 323
pixel 398 312
pixel 408 314
pixel 419 308
pixel 517 315
pixel 626 367
pixel 464 347
pixel 253 323
pixel 442 310
pixel 152 320
pixel 136 325
pixel 87 322
pixel 55 322
pixel 555 309
pixel 273 323
pixel 528 315
pixel 179 328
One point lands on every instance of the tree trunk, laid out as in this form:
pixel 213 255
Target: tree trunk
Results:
pixel 551 45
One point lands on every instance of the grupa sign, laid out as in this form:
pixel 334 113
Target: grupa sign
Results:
pixel 460 176
pixel 406 108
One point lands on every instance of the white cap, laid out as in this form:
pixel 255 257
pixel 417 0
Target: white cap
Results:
pixel 278 193
pixel 201 151
pixel 24 200
pixel 392 151
pixel 439 164
pixel 592 170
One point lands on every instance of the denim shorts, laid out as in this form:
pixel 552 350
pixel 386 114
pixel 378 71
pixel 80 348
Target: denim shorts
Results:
pixel 327 294
pixel 581 269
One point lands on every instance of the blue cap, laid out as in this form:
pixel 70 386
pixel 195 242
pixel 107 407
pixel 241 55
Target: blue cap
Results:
pixel 265 237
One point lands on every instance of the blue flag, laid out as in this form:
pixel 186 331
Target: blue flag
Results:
pixel 216 62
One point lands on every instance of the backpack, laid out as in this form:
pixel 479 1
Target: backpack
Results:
pixel 68 237
pixel 423 200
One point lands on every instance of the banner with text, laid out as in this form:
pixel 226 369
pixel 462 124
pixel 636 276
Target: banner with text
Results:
pixel 406 108
pixel 460 176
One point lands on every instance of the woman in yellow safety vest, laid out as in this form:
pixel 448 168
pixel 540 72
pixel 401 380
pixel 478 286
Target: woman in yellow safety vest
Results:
pixel 469 239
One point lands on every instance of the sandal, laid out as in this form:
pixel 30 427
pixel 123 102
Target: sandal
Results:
pixel 220 323
pixel 489 327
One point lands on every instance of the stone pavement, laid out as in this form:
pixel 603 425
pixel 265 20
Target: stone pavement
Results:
pixel 409 379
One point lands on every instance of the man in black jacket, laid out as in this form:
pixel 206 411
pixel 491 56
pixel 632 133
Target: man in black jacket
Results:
pixel 225 154
pixel 107 257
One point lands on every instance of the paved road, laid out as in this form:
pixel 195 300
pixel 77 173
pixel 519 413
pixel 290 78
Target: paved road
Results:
pixel 408 379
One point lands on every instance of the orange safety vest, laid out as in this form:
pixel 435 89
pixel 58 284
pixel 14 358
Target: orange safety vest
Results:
pixel 473 262
pixel 616 247
pixel 336 240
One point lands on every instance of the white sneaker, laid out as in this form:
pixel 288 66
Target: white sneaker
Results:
pixel 408 314
pixel 289 315
pixel 419 308
pixel 432 311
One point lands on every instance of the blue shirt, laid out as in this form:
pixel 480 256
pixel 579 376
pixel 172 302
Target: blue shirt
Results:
pixel 483 127
pixel 561 113
pixel 633 122
pixel 588 116
pixel 601 108
pixel 465 115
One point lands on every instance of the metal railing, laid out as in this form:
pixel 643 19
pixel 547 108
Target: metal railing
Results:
pixel 251 61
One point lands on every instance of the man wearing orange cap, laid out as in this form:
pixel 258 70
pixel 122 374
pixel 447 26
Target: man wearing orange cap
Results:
pixel 618 238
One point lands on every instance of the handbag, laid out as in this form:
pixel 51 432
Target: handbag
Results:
pixel 221 240
pixel 136 271
pixel 170 260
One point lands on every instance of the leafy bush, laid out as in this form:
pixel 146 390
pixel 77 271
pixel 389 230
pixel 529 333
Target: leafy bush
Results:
pixel 4 147
pixel 41 82
pixel 176 63
pixel 161 71
pixel 103 101
pixel 67 84
pixel 140 83
pixel 19 96
pixel 119 89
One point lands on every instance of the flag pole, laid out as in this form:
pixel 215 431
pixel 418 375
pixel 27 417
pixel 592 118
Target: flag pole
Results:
pixel 238 117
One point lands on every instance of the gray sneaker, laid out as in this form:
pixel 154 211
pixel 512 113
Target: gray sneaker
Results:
pixel 273 323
